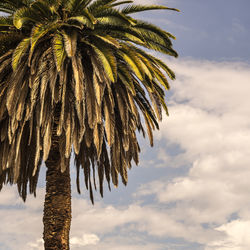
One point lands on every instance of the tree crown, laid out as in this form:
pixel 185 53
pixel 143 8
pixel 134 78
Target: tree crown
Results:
pixel 80 68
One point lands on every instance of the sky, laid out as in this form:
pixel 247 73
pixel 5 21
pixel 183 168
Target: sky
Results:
pixel 191 190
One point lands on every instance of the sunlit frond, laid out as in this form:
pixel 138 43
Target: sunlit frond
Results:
pixel 59 51
pixel 138 8
pixel 23 15
pixel 19 52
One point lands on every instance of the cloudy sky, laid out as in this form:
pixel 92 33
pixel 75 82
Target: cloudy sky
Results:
pixel 192 190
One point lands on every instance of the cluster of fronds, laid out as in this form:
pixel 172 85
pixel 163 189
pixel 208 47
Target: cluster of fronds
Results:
pixel 85 58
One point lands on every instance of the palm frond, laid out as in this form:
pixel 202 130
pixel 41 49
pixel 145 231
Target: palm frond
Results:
pixel 86 20
pixel 70 43
pixel 100 3
pixel 120 3
pixel 59 51
pixel 113 13
pixel 110 40
pixel 107 58
pixel 22 16
pixel 43 9
pixel 138 8
pixel 76 6
pixel 133 62
pixel 19 52
pixel 40 31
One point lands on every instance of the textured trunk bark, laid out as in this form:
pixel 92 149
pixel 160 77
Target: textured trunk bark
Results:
pixel 57 205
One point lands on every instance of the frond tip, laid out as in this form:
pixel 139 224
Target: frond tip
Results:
pixel 139 8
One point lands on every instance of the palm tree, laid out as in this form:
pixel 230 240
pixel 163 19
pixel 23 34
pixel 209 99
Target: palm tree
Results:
pixel 76 73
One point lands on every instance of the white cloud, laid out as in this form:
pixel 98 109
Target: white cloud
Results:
pixel 86 239
pixel 135 218
pixel 99 227
pixel 127 243
pixel 21 223
pixel 219 87
pixel 36 245
pixel 238 232
pixel 209 120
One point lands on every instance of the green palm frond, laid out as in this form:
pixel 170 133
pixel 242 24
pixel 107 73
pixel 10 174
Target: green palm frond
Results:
pixel 110 40
pixel 111 20
pixel 161 48
pixel 22 16
pixel 100 3
pixel 113 13
pixel 158 62
pixel 19 52
pixel 86 19
pixel 76 7
pixel 43 9
pixel 120 32
pixel 108 60
pixel 138 8
pixel 38 32
pixel 59 51
pixel 120 3
pixel 133 61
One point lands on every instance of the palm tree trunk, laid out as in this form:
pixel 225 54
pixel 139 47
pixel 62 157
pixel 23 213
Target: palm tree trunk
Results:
pixel 57 209
pixel 57 205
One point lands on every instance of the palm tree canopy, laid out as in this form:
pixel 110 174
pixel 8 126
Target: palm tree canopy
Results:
pixel 79 65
